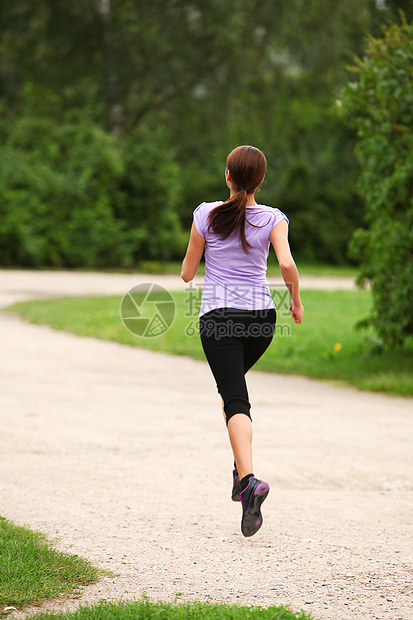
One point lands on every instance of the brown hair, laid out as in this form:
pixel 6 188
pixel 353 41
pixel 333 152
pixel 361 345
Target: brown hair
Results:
pixel 247 166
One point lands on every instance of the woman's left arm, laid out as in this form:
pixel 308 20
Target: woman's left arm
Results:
pixel 193 255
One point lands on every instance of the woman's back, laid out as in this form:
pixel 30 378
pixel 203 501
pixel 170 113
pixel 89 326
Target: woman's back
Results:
pixel 236 277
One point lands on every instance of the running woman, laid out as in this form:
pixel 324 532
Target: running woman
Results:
pixel 237 316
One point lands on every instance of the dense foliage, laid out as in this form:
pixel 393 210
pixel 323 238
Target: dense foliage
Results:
pixel 161 91
pixel 72 196
pixel 379 104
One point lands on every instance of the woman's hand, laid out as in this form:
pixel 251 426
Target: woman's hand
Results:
pixel 297 312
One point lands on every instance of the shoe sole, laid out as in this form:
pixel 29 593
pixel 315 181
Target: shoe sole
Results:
pixel 252 518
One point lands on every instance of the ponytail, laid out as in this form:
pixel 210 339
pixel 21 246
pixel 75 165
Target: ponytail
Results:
pixel 230 216
pixel 247 166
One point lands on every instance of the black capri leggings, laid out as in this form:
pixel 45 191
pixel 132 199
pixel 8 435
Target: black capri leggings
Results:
pixel 233 340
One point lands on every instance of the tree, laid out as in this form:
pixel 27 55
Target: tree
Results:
pixel 208 75
pixel 158 56
pixel 379 105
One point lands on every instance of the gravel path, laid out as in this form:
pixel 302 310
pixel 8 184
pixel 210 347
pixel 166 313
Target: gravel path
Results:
pixel 122 455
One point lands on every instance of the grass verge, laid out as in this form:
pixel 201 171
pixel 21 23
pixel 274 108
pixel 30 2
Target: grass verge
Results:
pixel 312 269
pixel 144 610
pixel 325 346
pixel 174 268
pixel 32 571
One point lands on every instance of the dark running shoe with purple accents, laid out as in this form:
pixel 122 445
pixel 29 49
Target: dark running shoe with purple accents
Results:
pixel 251 498
pixel 236 487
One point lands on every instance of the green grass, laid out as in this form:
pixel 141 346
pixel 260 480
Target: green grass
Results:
pixel 174 268
pixel 32 571
pixel 307 349
pixel 305 269
pixel 145 610
pixel 313 269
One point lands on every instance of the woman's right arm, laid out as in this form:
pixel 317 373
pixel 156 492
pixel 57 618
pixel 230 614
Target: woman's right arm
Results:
pixel 279 240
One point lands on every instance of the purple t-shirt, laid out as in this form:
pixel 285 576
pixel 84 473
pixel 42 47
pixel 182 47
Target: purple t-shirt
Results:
pixel 235 278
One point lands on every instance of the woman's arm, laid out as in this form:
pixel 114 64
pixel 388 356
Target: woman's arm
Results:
pixel 193 255
pixel 279 240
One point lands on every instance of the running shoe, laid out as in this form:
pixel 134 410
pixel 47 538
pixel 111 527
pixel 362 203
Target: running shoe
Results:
pixel 251 498
pixel 236 487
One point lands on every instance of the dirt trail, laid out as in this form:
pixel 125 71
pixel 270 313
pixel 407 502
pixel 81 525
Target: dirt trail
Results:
pixel 122 455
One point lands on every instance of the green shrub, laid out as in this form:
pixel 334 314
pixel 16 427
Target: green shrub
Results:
pixel 379 105
pixel 57 182
pixel 148 196
pixel 72 196
pixel 312 184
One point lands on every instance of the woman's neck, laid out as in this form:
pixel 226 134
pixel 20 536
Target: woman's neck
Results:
pixel 250 198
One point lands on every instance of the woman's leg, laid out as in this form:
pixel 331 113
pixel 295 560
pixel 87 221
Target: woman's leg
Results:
pixel 240 436
pixel 226 361
pixel 262 325
pixel 239 425
pixel 229 358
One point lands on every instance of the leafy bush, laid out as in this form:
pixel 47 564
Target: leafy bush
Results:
pixel 57 182
pixel 379 105
pixel 313 183
pixel 72 196
pixel 148 196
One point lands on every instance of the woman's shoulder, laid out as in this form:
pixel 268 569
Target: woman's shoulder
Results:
pixel 268 208
pixel 201 216
pixel 207 206
pixel 275 214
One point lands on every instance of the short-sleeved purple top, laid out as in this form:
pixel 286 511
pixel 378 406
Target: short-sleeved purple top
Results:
pixel 235 278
